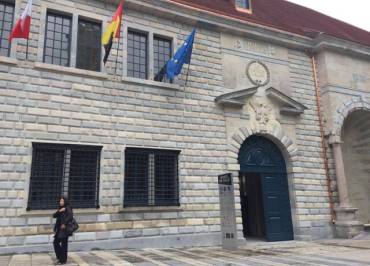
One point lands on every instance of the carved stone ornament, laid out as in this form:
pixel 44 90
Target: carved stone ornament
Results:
pixel 263 112
pixel 258 73
pixel 287 105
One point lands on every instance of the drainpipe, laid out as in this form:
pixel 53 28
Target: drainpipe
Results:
pixel 324 148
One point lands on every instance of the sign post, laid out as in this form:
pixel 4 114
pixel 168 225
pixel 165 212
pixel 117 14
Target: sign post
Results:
pixel 227 212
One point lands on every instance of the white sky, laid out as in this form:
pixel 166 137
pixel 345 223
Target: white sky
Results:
pixel 355 12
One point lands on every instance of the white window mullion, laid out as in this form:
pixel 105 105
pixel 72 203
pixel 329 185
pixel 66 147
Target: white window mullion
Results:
pixel 124 51
pixel 151 55
pixel 74 38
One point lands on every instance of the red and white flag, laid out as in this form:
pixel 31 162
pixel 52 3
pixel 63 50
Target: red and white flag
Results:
pixel 23 25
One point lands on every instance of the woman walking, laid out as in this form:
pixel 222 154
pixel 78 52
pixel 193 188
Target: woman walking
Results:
pixel 64 216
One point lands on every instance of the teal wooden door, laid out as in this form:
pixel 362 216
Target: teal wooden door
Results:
pixel 261 156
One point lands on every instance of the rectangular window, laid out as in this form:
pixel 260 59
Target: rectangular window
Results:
pixel 70 170
pixel 243 4
pixel 89 45
pixel 151 178
pixel 6 25
pixel 57 39
pixel 137 55
pixel 162 53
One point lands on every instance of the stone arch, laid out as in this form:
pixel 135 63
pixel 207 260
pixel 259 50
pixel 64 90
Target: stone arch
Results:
pixel 283 141
pixel 353 131
pixel 287 148
pixel 355 104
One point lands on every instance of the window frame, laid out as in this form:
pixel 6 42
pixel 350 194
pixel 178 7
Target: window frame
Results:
pixel 66 173
pixel 151 32
pixel 13 4
pixel 245 10
pixel 147 66
pixel 59 8
pixel 150 179
pixel 103 19
pixel 64 15
pixel 91 20
pixel 165 38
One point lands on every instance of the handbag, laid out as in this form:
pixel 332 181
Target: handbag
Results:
pixel 72 227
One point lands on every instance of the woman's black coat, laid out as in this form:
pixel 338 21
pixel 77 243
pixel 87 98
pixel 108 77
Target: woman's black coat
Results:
pixel 62 218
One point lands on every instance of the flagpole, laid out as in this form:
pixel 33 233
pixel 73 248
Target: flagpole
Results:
pixel 27 51
pixel 119 39
pixel 187 75
pixel 115 69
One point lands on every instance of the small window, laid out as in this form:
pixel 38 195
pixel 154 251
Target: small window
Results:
pixel 88 46
pixel 64 170
pixel 162 53
pixel 137 55
pixel 151 178
pixel 57 46
pixel 242 4
pixel 6 25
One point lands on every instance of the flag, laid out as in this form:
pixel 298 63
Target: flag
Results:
pixel 182 56
pixel 23 25
pixel 113 31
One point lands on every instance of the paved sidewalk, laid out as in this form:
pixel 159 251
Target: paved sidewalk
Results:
pixel 282 254
pixel 361 242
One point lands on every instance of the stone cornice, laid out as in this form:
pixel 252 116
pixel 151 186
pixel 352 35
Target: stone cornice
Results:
pixel 326 42
pixel 236 98
pixel 193 16
pixel 289 105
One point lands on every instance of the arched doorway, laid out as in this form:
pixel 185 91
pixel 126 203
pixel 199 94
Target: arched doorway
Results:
pixel 264 191
pixel 356 159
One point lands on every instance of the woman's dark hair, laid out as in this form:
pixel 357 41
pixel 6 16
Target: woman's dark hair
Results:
pixel 66 202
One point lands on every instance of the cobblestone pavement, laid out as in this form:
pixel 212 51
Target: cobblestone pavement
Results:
pixel 292 253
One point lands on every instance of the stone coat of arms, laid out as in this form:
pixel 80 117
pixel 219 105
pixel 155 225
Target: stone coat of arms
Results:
pixel 262 112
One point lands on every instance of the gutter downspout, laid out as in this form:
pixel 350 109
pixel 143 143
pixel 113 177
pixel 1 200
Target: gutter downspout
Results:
pixel 323 144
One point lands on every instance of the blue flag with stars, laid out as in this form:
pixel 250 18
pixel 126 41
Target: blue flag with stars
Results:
pixel 182 56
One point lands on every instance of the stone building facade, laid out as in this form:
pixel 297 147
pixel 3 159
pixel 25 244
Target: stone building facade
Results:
pixel 252 87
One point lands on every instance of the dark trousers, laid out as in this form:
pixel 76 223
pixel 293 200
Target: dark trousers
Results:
pixel 61 248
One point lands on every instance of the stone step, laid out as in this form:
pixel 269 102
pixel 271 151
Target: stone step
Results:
pixel 367 227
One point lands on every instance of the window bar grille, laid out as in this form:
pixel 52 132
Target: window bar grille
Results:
pixel 67 163
pixel 97 180
pixel 69 170
pixel 151 180
pixel 82 183
pixel 46 177
pixel 177 183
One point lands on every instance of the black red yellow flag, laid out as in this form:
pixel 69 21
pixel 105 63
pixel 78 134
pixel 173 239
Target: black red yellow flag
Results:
pixel 113 31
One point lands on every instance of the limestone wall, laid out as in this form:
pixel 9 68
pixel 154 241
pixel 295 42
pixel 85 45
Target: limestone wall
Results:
pixel 345 84
pixel 290 73
pixel 312 194
pixel 43 103
pixel 342 79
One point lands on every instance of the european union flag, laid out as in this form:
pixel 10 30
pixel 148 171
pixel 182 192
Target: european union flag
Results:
pixel 182 56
